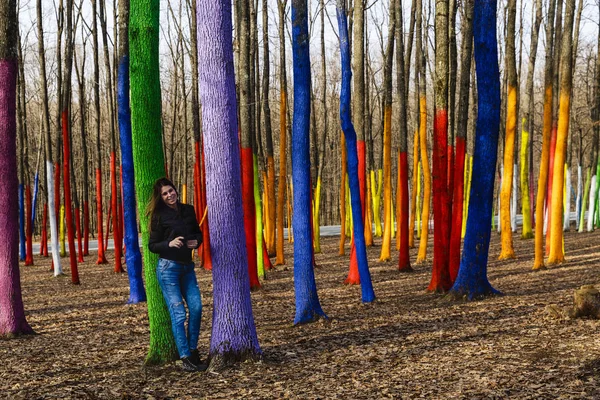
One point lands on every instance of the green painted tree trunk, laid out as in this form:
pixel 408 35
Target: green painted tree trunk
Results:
pixel 148 159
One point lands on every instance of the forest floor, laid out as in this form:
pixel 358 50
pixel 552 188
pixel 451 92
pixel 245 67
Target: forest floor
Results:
pixel 408 344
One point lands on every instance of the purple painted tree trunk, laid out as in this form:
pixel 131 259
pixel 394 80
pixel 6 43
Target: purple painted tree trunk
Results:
pixel 233 333
pixel 12 314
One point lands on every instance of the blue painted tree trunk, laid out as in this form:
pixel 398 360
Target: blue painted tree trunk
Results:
pixel 233 331
pixel 133 256
pixel 21 222
pixel 368 295
pixel 308 307
pixel 472 281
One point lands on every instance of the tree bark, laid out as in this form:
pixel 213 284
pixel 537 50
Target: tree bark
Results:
pixel 233 332
pixel 556 255
pixel 546 132
pixel 12 317
pixel 509 140
pixel 148 158
pixel 282 184
pixel 440 276
pixel 471 282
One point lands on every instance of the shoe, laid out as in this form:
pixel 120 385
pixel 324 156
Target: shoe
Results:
pixel 195 358
pixel 188 366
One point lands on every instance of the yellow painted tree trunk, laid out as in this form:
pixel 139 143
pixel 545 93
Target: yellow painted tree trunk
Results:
pixel 184 194
pixel 525 206
pixel 422 255
pixel 316 219
pixel 387 185
pixel 368 217
pixel 467 195
pixel 376 199
pixel 509 150
pixel 507 250
pixel 413 194
pixel 343 197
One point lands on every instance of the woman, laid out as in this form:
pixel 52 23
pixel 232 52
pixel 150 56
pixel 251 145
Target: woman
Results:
pixel 174 233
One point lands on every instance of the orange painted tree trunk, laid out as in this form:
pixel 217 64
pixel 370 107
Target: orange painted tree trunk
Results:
pixel 100 231
pixel 566 76
pixel 546 132
pixel 270 181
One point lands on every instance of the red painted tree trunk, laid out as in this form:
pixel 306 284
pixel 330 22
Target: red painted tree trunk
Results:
pixel 57 191
pixel 197 184
pixel 267 260
pixel 101 256
pixel 67 187
pixel 86 228
pixel 450 173
pixel 197 206
pixel 440 276
pixel 206 254
pixel 249 215
pixel 28 231
pixel 107 225
pixel 44 239
pixel 403 257
pixel 115 214
pixel 122 211
pixel 79 238
pixel 457 208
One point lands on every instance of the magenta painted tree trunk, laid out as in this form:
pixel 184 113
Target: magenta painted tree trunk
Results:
pixel 233 332
pixel 12 313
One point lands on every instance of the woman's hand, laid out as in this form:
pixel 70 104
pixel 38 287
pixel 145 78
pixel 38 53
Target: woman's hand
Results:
pixel 192 244
pixel 177 242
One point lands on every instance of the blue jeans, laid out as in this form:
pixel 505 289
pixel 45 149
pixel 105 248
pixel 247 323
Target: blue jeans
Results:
pixel 178 282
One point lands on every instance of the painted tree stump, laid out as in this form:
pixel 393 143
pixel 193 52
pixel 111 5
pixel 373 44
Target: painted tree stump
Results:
pixel 586 302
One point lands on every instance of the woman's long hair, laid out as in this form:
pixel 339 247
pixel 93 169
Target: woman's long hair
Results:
pixel 156 202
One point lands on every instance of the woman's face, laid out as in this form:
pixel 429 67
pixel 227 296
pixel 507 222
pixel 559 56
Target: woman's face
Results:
pixel 169 196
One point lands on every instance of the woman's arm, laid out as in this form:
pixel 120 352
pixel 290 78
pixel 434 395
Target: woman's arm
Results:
pixel 158 242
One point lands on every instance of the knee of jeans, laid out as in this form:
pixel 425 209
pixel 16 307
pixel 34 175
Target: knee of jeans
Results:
pixel 178 312
pixel 195 307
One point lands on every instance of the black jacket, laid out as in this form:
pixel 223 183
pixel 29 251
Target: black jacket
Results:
pixel 166 225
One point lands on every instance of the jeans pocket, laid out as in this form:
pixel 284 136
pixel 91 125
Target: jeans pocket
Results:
pixel 163 264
